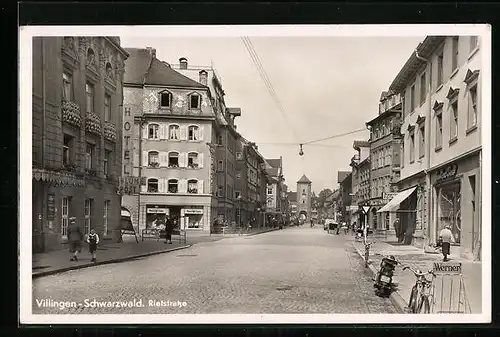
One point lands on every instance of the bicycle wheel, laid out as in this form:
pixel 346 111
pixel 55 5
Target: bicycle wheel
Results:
pixel 412 303
pixel 423 306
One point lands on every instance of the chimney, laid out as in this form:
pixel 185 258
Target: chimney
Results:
pixel 203 77
pixel 183 62
pixel 151 51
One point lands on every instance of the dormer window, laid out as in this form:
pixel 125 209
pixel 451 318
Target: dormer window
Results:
pixel 165 99
pixel 194 101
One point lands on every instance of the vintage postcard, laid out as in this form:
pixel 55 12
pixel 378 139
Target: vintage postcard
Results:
pixel 244 174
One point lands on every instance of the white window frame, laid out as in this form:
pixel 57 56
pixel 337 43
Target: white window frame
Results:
pixel 196 164
pixel 439 129
pixel 149 181
pixel 174 135
pixel 87 216
pixel 153 163
pixel 195 184
pixel 472 108
pixel 169 94
pixel 176 185
pixel 67 86
pixel 89 97
pixel 454 119
pixel 191 107
pixel 107 108
pixel 105 216
pixel 178 159
pixel 412 146
pixel 156 131
pixel 64 216
pixel 195 132
pixel 421 141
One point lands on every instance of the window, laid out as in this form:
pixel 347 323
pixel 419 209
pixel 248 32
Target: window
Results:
pixel 89 92
pixel 220 191
pixel 127 111
pixel 64 216
pixel 89 154
pixel 449 209
pixel 107 159
pixel 412 98
pixel 454 120
pixel 454 55
pixel 270 191
pixel 107 108
pixel 421 143
pixel 153 185
pixel 439 129
pixel 165 99
pixel 173 159
pixel 126 154
pixel 193 160
pixel 423 88
pixel 193 132
pixel 153 159
pixel 67 149
pixel 219 140
pixel 239 156
pixel 173 132
pixel 473 43
pixel 194 101
pixel 67 86
pixel 472 112
pixel 412 147
pixel 192 186
pixel 153 131
pixel 440 69
pixel 87 211
pixel 220 166
pixel 105 212
pixel 126 141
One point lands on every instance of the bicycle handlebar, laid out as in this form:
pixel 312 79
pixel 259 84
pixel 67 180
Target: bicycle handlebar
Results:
pixel 418 273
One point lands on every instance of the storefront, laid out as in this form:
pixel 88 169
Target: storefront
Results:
pixel 156 216
pixel 456 200
pixel 192 218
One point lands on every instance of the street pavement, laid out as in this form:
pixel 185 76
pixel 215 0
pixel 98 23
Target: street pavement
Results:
pixel 298 270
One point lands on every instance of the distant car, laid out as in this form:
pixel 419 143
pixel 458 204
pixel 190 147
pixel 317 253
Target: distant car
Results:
pixel 329 222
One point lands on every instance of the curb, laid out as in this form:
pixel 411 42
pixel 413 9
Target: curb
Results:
pixel 120 259
pixel 396 299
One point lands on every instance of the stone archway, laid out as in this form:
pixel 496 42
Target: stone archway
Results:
pixel 303 215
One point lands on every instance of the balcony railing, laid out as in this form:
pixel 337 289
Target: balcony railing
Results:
pixel 110 131
pixel 389 103
pixel 93 123
pixel 71 113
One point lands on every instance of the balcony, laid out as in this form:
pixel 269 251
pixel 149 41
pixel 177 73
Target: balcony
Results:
pixel 110 131
pixel 93 123
pixel 71 113
pixel 390 103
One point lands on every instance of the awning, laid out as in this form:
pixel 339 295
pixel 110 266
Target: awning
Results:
pixel 398 198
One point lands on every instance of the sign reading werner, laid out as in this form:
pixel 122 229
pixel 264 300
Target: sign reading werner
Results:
pixel 447 268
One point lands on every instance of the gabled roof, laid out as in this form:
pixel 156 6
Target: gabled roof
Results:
pixel 304 180
pixel 276 163
pixel 142 68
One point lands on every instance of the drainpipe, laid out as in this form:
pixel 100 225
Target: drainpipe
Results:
pixel 427 231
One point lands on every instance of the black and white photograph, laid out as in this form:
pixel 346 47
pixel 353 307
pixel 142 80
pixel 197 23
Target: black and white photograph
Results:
pixel 255 174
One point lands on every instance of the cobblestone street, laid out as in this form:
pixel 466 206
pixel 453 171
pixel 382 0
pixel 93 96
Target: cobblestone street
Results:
pixel 297 270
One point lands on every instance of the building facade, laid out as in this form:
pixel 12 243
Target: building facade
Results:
pixel 169 122
pixel 77 94
pixel 345 188
pixel 274 197
pixel 304 196
pixel 361 171
pixel 385 146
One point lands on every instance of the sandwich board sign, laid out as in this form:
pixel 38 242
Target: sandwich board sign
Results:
pixel 449 289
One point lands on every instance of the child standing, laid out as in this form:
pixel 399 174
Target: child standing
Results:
pixel 93 240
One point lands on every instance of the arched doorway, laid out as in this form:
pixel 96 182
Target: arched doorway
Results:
pixel 303 216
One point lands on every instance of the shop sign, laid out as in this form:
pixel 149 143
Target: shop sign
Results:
pixel 51 206
pixel 447 172
pixel 157 211
pixel 447 268
pixel 387 196
pixel 193 211
pixel 131 185
pixel 378 202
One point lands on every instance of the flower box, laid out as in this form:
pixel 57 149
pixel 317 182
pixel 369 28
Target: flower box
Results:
pixel 71 113
pixel 93 123
pixel 110 131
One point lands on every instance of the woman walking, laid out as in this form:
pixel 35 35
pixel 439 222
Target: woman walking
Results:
pixel 75 237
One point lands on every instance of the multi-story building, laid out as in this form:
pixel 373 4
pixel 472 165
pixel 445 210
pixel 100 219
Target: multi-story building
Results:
pixel 385 145
pixel 274 199
pixel 361 170
pixel 77 95
pixel 304 196
pixel 292 205
pixel 168 126
pixel 345 181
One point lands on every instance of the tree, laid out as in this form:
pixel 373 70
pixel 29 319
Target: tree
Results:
pixel 325 193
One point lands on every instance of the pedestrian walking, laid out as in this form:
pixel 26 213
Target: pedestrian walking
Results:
pixel 75 237
pixel 446 237
pixel 399 230
pixel 169 228
pixel 93 240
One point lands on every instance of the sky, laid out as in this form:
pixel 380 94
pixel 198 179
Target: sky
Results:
pixel 326 85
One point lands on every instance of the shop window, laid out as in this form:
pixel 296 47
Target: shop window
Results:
pixel 153 159
pixel 194 101
pixel 153 185
pixel 192 186
pixel 193 160
pixel 173 132
pixel 449 209
pixel 67 86
pixel 193 132
pixel 173 159
pixel 107 108
pixel 64 216
pixel 88 215
pixel 89 92
pixel 173 186
pixel 153 131
pixel 165 99
pixel 106 208
pixel 472 111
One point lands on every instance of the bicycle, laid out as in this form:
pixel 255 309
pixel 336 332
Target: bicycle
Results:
pixel 420 292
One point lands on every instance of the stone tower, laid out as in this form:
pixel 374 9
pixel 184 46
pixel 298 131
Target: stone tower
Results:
pixel 304 198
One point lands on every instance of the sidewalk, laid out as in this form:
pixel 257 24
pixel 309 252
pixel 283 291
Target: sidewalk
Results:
pixel 54 262
pixel 418 259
